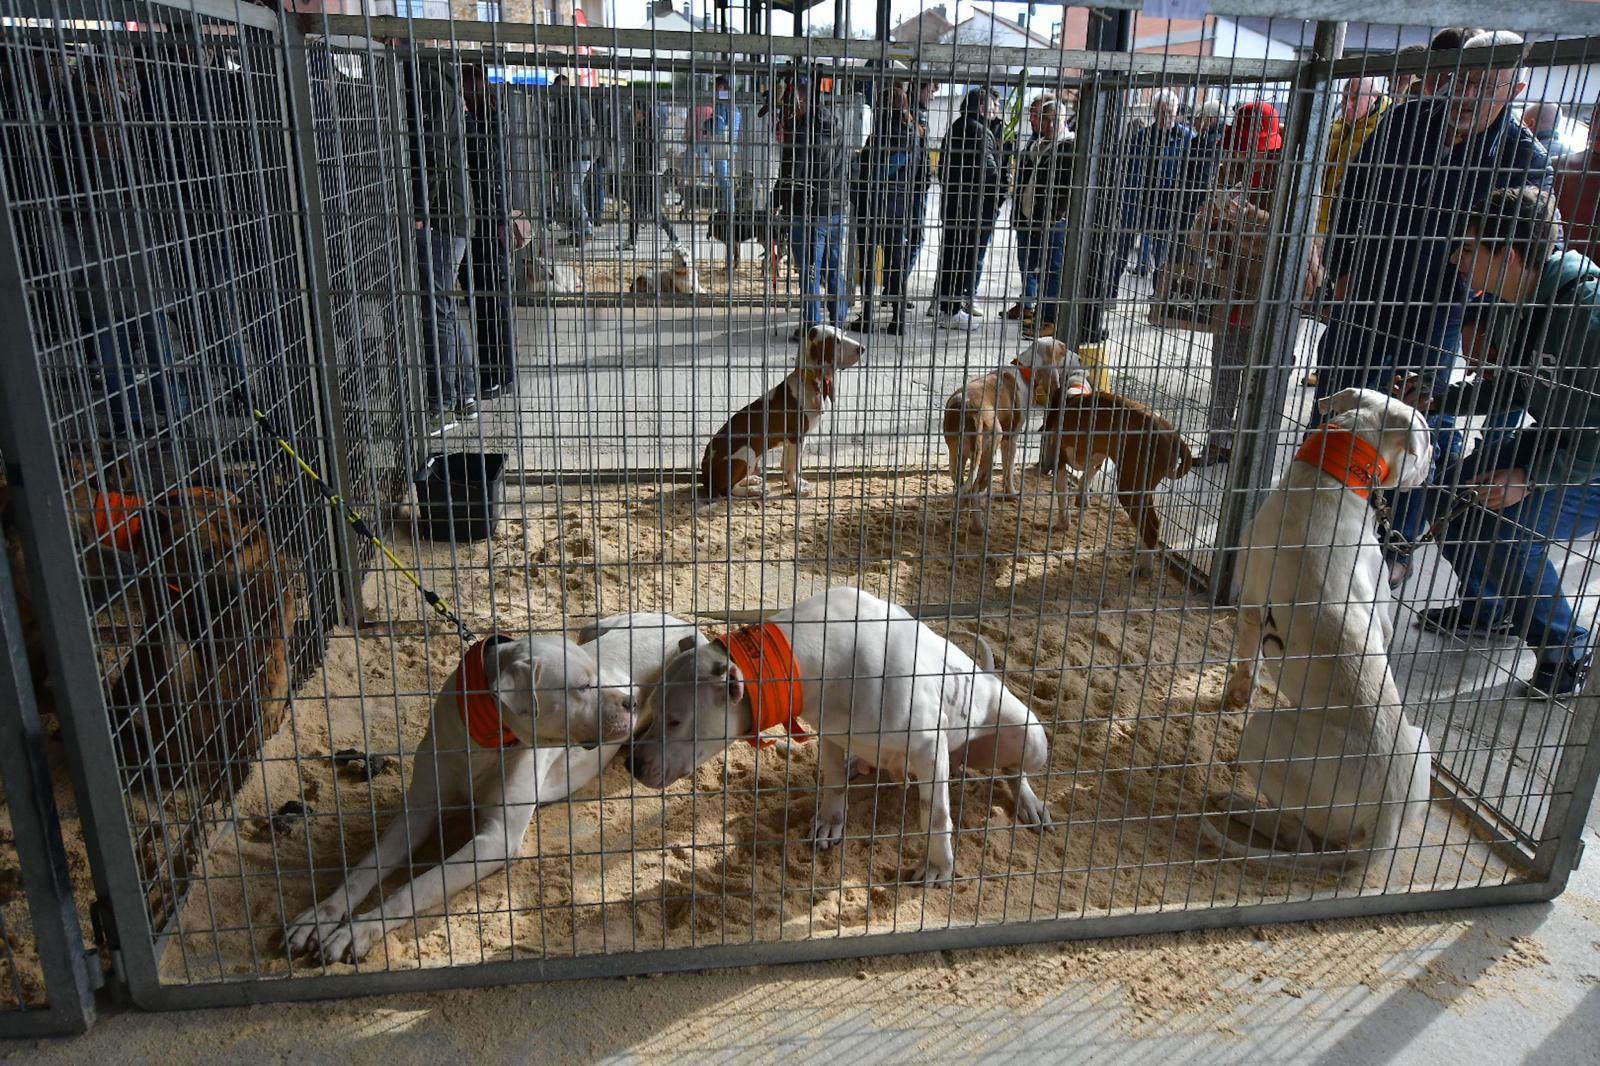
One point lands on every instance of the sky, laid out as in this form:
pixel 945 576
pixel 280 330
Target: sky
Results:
pixel 862 14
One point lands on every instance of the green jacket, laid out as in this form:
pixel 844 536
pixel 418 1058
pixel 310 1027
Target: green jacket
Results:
pixel 1550 368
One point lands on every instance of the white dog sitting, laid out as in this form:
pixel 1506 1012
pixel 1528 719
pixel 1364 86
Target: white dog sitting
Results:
pixel 1339 767
pixel 872 682
pixel 524 722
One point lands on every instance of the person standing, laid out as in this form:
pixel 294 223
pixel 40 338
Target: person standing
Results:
pixel 1043 200
pixel 442 197
pixel 1156 167
pixel 973 180
pixel 919 208
pixel 1232 229
pixel 498 235
pixel 891 174
pixel 1397 303
pixel 642 182
pixel 722 139
pixel 1364 104
pixel 571 130
pixel 815 170
pixel 1022 220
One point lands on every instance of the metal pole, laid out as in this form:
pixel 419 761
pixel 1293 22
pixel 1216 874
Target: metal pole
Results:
pixel 1088 218
pixel 1271 360
pixel 319 288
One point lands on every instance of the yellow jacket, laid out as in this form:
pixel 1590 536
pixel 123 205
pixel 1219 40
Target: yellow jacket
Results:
pixel 1343 144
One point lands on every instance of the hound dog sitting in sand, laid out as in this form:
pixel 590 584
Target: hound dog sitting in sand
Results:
pixel 1337 766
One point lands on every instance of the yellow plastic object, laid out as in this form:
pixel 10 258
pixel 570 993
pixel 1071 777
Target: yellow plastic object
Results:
pixel 1093 358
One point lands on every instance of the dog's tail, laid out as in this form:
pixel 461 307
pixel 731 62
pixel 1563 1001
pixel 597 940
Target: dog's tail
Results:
pixel 1183 462
pixel 978 453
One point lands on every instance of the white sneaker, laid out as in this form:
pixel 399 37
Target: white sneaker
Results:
pixel 957 320
pixel 439 425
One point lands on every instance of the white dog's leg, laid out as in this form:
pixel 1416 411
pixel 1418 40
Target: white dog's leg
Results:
pixel 792 454
pixel 827 825
pixel 1010 484
pixel 1029 809
pixel 750 487
pixel 394 846
pixel 1060 488
pixel 931 768
pixel 499 835
pixel 1247 660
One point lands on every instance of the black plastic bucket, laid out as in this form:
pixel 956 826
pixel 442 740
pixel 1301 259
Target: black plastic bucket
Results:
pixel 459 495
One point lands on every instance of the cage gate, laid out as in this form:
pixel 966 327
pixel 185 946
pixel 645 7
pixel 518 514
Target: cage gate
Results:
pixel 504 317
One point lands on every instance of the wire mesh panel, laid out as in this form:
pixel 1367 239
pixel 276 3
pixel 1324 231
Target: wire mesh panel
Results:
pixel 1030 312
pixel 158 305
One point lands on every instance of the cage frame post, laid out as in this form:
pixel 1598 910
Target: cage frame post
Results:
pixel 71 969
pixel 317 313
pixel 1270 363
pixel 65 628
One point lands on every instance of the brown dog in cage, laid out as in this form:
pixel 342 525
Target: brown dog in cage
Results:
pixel 1085 430
pixel 206 681
pixel 989 414
pixel 731 465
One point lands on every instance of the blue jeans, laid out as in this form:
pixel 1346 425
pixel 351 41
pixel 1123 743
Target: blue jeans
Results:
pixel 115 291
pixel 819 242
pixel 1028 240
pixel 571 202
pixel 595 191
pixel 1051 264
pixel 1502 558
pixel 451 375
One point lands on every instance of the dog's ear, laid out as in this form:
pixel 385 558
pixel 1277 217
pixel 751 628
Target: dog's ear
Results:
pixel 1345 400
pixel 841 353
pixel 688 642
pixel 515 678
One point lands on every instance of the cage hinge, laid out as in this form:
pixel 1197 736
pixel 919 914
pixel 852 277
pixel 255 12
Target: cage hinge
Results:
pixel 105 935
pixel 1577 855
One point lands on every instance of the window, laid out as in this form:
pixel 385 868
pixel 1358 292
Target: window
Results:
pixel 488 10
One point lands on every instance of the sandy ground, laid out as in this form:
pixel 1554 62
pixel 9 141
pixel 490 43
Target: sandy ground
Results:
pixel 1512 984
pixel 1126 675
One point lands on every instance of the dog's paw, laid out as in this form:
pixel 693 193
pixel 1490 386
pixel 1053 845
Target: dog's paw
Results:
pixel 827 829
pixel 801 487
pixel 352 941
pixel 306 932
pixel 1030 811
pixel 937 870
pixel 1240 692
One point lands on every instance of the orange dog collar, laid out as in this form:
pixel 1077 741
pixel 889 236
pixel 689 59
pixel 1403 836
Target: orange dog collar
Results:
pixel 1024 370
pixel 480 711
pixel 118 521
pixel 1339 452
pixel 764 656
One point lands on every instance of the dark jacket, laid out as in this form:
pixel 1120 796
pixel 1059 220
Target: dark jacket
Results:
pixel 571 126
pixel 815 165
pixel 440 188
pixel 1044 181
pixel 1156 174
pixel 1551 369
pixel 1403 204
pixel 891 172
pixel 486 163
pixel 971 171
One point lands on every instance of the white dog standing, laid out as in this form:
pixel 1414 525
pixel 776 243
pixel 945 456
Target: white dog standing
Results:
pixel 1338 764
pixel 499 739
pixel 872 682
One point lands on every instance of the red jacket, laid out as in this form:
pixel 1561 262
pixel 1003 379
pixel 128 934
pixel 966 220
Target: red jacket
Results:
pixel 1577 193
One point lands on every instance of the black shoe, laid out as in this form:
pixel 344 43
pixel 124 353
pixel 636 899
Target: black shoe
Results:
pixel 894 327
pixel 467 409
pixel 859 324
pixel 493 389
pixel 1456 621
pixel 1215 454
pixel 1556 681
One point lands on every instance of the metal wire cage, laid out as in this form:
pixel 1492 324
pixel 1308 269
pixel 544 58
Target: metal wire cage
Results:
pixel 500 317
